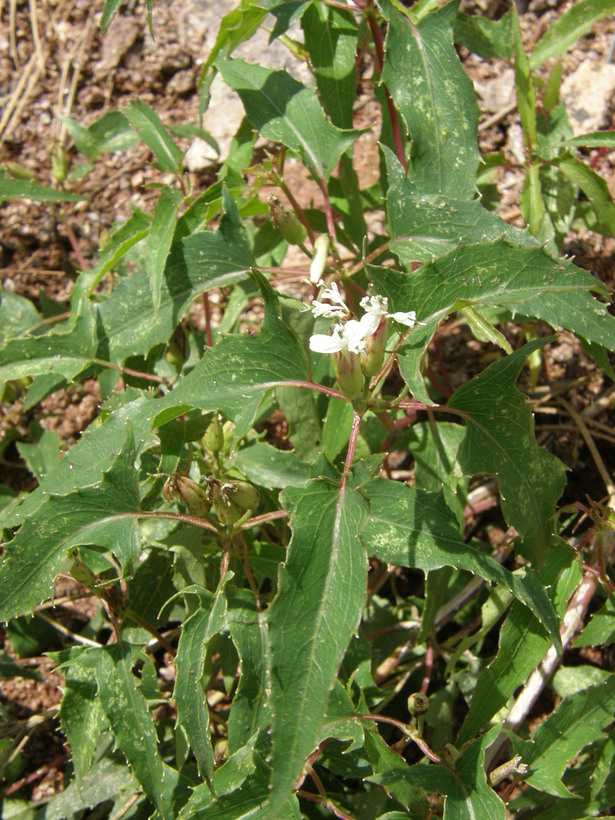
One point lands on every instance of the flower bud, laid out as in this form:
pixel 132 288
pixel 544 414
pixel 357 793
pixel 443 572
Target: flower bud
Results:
pixel 286 222
pixel 59 164
pixel 319 258
pixel 214 435
pixel 372 355
pixel 180 488
pixel 350 378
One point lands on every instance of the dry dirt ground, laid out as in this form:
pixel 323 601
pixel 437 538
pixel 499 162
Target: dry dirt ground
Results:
pixel 54 62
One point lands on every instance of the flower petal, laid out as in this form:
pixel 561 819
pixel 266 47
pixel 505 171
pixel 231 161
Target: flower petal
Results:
pixel 408 319
pixel 320 343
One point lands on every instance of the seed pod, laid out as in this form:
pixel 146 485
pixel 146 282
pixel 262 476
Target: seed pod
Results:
pixel 244 495
pixel 286 222
pixel 180 488
pixel 214 435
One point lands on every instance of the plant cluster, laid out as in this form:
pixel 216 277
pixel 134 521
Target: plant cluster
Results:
pixel 342 641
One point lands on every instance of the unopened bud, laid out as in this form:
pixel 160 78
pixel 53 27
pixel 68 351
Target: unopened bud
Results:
pixel 372 355
pixel 214 435
pixel 287 222
pixel 245 496
pixel 418 704
pixel 180 488
pixel 350 378
pixel 59 164
pixel 319 259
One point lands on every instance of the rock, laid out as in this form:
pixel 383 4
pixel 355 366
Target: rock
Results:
pixel 588 93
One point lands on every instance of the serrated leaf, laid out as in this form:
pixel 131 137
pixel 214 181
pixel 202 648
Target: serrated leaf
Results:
pixel 525 280
pixel 577 20
pixel 578 720
pixel 435 97
pixel 131 723
pixel 416 529
pixel 284 110
pixel 601 628
pixel 191 705
pixel 43 455
pixel 249 630
pixel 102 513
pixel 464 788
pixel 321 593
pixel 160 238
pixel 25 189
pixel 500 441
pixel 81 716
pixel 424 226
pixel 148 126
pixel 384 760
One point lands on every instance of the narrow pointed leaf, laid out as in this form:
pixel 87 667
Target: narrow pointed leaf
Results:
pixel 250 633
pixel 594 188
pixel 576 22
pixel 25 189
pixel 317 609
pixel 435 97
pixel 191 705
pixel 500 441
pixel 81 715
pixel 148 126
pixel 160 238
pixel 284 110
pixel 416 529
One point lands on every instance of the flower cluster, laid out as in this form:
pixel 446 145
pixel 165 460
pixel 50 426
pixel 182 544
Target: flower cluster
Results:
pixel 358 345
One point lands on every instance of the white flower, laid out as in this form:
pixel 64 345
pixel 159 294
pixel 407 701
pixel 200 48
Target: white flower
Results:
pixel 347 338
pixel 408 319
pixel 319 258
pixel 330 311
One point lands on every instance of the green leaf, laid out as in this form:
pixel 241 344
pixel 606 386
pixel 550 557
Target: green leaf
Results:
pixel 148 126
pixel 337 428
pixel 101 513
pixel 485 37
pixel 17 315
pixel 572 25
pixel 249 631
pixel 81 716
pixel 595 139
pixel 465 789
pixel 601 628
pixel 522 646
pixel 578 720
pixel 438 104
pixel 24 189
pixel 384 760
pixel 594 188
pixel 525 280
pixel 305 431
pixel 284 110
pixel 42 456
pixel 416 529
pixel 321 593
pixel 235 27
pixel 423 227
pixel 111 132
pixel 500 441
pixel 160 238
pixel 330 36
pixel 526 98
pixel 9 669
pixel 109 12
pixel 131 723
pixel 265 465
pixel 191 705
pixel 131 232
